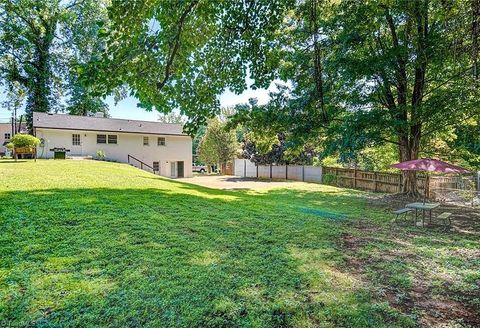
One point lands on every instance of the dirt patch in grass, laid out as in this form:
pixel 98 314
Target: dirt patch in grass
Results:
pixel 393 266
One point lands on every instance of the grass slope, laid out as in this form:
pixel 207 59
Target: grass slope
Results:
pixel 87 243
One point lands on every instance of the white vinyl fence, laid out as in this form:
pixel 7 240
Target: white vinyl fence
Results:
pixel 247 169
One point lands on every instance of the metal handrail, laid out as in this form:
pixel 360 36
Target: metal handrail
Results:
pixel 142 164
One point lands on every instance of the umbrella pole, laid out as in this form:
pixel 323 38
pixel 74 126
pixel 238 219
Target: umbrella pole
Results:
pixel 425 188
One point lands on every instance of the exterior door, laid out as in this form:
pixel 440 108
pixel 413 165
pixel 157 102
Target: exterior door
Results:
pixel 76 147
pixel 180 173
pixel 173 169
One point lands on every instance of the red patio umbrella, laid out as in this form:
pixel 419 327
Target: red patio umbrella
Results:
pixel 429 165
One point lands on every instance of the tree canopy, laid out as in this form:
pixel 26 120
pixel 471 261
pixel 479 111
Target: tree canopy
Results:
pixel 184 54
pixel 41 45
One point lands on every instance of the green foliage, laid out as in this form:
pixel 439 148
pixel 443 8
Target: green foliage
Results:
pixel 218 145
pixel 172 117
pixel 41 45
pixel 330 179
pixel 379 158
pixel 24 140
pixel 183 56
pixel 100 155
pixel 10 146
pixel 467 143
pixel 263 141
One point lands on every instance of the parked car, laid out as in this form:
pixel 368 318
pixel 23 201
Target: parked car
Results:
pixel 199 168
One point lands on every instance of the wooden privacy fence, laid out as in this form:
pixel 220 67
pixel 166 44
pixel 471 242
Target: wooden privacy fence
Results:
pixel 367 180
pixel 438 187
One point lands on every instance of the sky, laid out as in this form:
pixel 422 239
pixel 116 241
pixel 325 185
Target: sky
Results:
pixel 127 108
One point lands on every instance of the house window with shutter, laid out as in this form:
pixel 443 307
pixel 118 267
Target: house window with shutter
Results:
pixel 145 141
pixel 161 141
pixel 156 166
pixel 101 138
pixel 112 139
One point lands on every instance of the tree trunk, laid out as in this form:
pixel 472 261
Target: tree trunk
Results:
pixel 319 101
pixel 39 84
pixel 475 32
pixel 408 151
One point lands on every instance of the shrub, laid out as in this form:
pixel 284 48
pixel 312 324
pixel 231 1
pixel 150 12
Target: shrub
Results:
pixel 100 155
pixel 330 179
pixel 24 140
pixel 10 146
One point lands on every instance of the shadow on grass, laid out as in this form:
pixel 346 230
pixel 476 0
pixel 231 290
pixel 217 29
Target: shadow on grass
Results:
pixel 10 161
pixel 136 257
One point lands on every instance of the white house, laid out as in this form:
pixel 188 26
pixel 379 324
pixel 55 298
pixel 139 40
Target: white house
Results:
pixel 162 147
pixel 6 133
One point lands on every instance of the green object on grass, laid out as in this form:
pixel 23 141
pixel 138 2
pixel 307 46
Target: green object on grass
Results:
pixel 59 155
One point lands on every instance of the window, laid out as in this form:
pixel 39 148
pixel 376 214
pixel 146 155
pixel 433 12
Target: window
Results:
pixel 101 138
pixel 7 136
pixel 161 141
pixel 156 166
pixel 112 139
pixel 145 141
pixel 75 139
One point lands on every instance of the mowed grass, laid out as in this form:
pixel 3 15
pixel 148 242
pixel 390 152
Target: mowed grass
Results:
pixel 86 243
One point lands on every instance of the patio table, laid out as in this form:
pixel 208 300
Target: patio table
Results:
pixel 424 207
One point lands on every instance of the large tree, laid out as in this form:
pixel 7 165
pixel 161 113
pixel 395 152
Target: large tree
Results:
pixel 218 145
pixel 368 73
pixel 42 43
pixel 407 72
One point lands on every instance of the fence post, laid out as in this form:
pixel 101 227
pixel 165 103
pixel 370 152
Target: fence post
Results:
pixel 244 168
pixel 303 173
pixel 354 178
pixel 257 169
pixel 478 181
pixel 427 186
pixel 286 171
pixel 375 180
pixel 270 171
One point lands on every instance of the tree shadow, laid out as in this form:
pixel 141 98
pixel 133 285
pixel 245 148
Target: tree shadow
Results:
pixel 10 161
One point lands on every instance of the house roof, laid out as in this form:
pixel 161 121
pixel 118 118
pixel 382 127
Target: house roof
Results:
pixel 8 126
pixel 87 123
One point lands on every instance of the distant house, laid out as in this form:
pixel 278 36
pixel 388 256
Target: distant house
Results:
pixel 6 135
pixel 160 147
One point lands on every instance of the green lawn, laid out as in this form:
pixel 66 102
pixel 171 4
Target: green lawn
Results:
pixel 86 243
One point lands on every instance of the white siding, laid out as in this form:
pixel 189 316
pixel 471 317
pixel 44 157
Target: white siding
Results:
pixel 177 148
pixel 4 128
